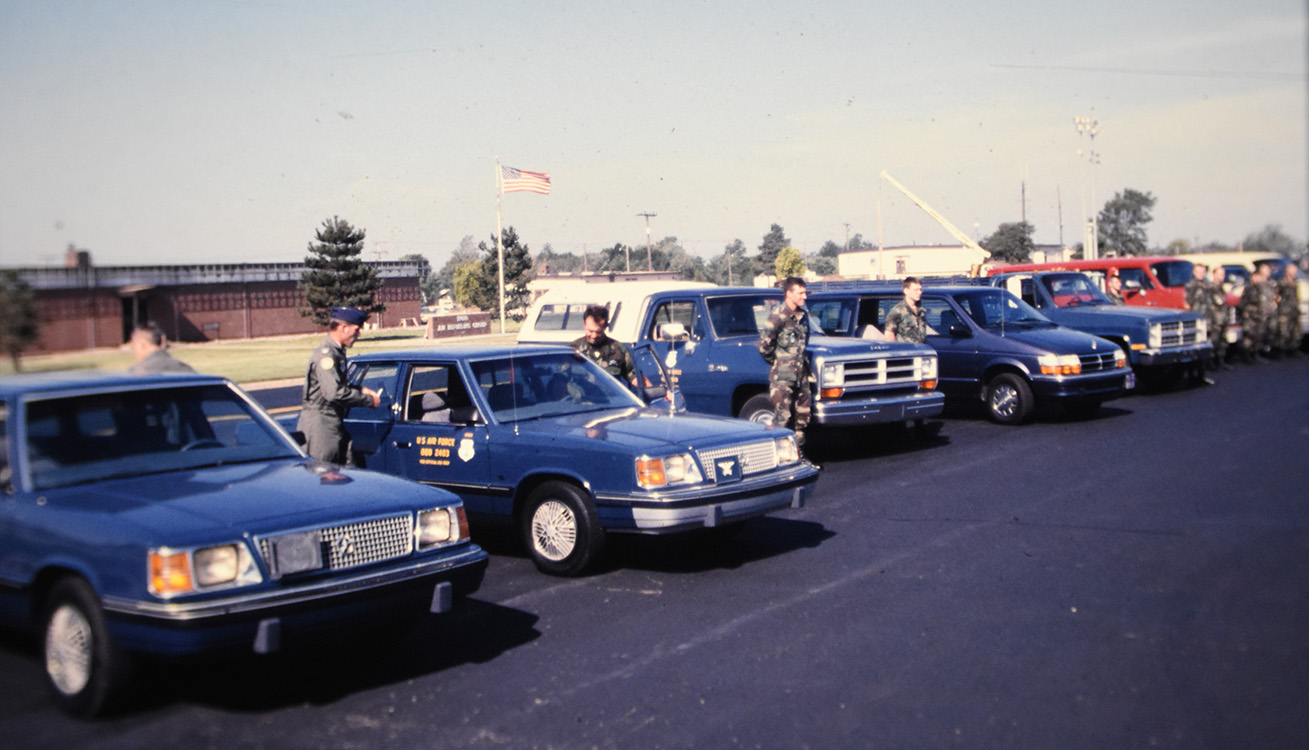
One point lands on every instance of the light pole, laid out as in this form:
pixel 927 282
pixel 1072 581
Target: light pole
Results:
pixel 649 258
pixel 1089 127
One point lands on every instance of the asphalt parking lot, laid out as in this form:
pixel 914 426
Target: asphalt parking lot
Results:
pixel 1134 580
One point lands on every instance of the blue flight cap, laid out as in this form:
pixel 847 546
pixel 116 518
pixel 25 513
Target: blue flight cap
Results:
pixel 351 315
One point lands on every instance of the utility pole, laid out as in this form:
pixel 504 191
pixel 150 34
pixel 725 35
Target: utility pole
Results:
pixel 649 258
pixel 847 236
pixel 1089 127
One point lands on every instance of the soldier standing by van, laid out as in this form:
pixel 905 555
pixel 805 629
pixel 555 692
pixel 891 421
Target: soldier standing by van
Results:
pixel 1254 317
pixel 1288 312
pixel 597 346
pixel 1199 300
pixel 907 321
pixel 1218 308
pixel 782 342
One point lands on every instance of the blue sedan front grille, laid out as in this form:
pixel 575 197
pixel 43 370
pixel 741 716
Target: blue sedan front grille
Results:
pixel 754 457
pixel 354 544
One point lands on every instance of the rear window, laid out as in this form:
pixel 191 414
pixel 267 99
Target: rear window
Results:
pixel 1173 273
pixel 569 316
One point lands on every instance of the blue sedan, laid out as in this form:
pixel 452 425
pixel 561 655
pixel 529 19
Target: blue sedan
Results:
pixel 541 437
pixel 169 515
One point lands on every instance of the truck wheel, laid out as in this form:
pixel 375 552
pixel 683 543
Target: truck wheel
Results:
pixel 1008 399
pixel 758 408
pixel 83 667
pixel 561 529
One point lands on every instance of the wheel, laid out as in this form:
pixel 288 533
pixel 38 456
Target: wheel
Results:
pixel 1008 399
pixel 561 529
pixel 83 667
pixel 758 408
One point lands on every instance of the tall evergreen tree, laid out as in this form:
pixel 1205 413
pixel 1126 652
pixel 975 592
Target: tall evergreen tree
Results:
pixel 335 275
pixel 773 243
pixel 18 326
pixel 518 271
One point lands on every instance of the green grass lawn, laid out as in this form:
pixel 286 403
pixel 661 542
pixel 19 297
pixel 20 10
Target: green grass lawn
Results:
pixel 249 360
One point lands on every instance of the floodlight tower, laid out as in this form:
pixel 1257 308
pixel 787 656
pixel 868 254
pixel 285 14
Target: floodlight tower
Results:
pixel 1090 127
pixel 649 258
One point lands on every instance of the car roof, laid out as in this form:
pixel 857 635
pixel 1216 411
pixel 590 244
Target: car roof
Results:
pixel 461 351
pixel 60 381
pixel 591 293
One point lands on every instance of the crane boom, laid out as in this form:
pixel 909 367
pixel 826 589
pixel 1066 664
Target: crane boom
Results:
pixel 951 228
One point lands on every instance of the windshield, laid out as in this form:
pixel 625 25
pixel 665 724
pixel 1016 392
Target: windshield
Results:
pixel 996 307
pixel 1172 273
pixel 1072 290
pixel 548 385
pixel 134 433
pixel 740 315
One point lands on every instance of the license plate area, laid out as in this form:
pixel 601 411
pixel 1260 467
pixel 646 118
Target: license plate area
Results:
pixel 296 553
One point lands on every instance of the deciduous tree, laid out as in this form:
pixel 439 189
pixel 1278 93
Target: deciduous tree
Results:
pixel 1011 242
pixel 1122 223
pixel 18 324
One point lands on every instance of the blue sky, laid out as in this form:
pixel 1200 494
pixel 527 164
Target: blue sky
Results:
pixel 226 132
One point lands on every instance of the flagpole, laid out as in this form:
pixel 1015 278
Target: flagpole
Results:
pixel 499 246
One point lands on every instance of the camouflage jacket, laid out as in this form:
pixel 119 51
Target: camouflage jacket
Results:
pixel 1199 297
pixel 907 325
pixel 611 355
pixel 1288 297
pixel 782 343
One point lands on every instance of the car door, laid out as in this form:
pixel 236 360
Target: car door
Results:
pixel 440 438
pixel 958 358
pixel 694 365
pixel 369 425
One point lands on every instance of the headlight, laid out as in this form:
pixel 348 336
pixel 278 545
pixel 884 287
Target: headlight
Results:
pixel 1060 364
pixel 440 526
pixel 1201 330
pixel 1156 335
pixel 787 452
pixel 173 572
pixel 926 372
pixel 667 472
pixel 1120 359
pixel 833 375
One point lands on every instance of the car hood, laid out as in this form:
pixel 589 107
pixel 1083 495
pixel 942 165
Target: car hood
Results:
pixel 1055 339
pixel 251 498
pixel 644 430
pixel 836 346
pixel 1121 313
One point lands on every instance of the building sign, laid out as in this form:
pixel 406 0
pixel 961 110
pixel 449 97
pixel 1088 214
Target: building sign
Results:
pixel 466 324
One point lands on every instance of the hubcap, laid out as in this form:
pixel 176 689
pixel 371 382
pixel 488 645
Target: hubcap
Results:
pixel 68 649
pixel 554 530
pixel 763 417
pixel 1004 400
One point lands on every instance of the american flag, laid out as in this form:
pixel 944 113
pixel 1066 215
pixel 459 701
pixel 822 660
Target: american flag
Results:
pixel 516 180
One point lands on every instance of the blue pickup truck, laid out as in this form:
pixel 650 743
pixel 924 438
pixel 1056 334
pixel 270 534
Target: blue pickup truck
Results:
pixel 717 364
pixel 1160 343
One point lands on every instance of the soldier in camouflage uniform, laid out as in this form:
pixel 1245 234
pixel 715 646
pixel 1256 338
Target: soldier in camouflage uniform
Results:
pixel 1218 317
pixel 907 321
pixel 604 351
pixel 782 343
pixel 1254 318
pixel 1288 312
pixel 1199 300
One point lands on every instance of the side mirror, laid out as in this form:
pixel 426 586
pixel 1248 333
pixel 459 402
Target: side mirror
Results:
pixel 673 332
pixel 960 331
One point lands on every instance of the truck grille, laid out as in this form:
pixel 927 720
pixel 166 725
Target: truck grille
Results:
pixel 754 457
pixel 1180 333
pixel 1097 361
pixel 355 544
pixel 889 372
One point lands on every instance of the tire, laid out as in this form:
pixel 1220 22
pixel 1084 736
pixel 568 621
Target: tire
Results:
pixel 561 530
pixel 1008 399
pixel 86 672
pixel 758 408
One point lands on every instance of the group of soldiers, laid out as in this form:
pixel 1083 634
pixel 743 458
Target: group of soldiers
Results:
pixel 1269 310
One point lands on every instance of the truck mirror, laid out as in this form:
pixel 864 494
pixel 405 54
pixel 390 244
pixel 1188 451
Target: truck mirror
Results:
pixel 673 332
pixel 960 331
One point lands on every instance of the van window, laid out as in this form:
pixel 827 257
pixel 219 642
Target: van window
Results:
pixel 1172 273
pixel 570 316
pixel 1135 278
pixel 672 312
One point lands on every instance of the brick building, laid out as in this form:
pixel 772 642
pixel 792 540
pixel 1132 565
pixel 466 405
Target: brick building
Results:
pixel 81 306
